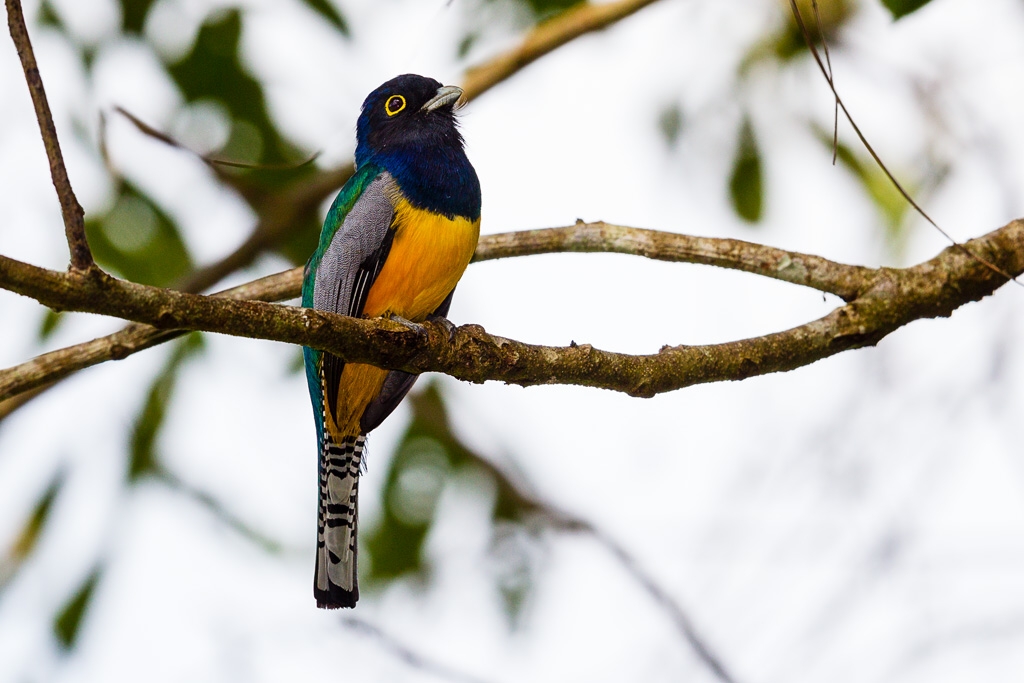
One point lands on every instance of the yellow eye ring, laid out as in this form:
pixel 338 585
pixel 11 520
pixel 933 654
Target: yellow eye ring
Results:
pixel 394 104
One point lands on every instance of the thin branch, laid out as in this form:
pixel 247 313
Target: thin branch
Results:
pixel 278 217
pixel 34 376
pixel 223 515
pixel 407 654
pixel 74 217
pixel 679 617
pixel 555 518
pixel 845 281
pixel 811 271
pixel 548 36
pixel 827 73
pixel 891 298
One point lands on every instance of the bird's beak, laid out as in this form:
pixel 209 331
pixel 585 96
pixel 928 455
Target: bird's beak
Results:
pixel 446 94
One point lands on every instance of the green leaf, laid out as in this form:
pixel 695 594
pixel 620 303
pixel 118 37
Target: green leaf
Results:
pixel 892 205
pixel 49 17
pixel 745 183
pixel 67 623
pixel 423 462
pixel 138 240
pixel 901 8
pixel 51 320
pixel 670 123
pixel 133 15
pixel 329 12
pixel 427 457
pixel 543 9
pixel 144 459
pixel 29 536
pixel 213 70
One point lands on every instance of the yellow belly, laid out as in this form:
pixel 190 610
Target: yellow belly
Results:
pixel 428 255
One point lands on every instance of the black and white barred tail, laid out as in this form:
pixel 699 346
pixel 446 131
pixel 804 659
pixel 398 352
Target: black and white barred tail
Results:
pixel 334 581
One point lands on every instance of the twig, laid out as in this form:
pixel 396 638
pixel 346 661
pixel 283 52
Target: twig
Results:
pixel 406 654
pixel 548 36
pixel 74 217
pixel 811 271
pixel 827 73
pixel 561 520
pixel 229 519
pixel 670 606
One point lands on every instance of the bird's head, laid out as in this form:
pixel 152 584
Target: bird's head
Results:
pixel 408 114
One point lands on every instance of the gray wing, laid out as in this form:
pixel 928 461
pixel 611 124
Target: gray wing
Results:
pixel 396 385
pixel 350 265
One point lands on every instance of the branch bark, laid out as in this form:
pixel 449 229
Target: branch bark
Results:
pixel 886 299
pixel 548 36
pixel 803 269
pixel 71 210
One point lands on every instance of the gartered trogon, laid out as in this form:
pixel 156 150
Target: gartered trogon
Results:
pixel 395 243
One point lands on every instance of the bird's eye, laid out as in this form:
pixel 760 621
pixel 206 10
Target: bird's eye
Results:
pixel 395 104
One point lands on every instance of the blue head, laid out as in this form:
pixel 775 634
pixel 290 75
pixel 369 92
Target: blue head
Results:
pixel 407 127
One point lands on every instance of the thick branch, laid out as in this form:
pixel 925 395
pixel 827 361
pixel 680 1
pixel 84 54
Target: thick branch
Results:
pixel 892 298
pixel 74 217
pixel 812 271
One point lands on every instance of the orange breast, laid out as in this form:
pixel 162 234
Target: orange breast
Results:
pixel 428 256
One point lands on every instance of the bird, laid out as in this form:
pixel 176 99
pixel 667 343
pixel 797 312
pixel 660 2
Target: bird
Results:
pixel 395 243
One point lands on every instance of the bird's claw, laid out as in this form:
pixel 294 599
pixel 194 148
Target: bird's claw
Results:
pixel 445 323
pixel 408 324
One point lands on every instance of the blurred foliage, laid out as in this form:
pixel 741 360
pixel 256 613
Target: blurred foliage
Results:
pixel 428 456
pixel 133 15
pixel 49 324
pixel 789 42
pixel 29 536
pixel 745 183
pixel 329 12
pixel 49 17
pixel 670 123
pixel 138 240
pixel 545 9
pixel 901 8
pixel 214 70
pixel 67 622
pixel 878 187
pixel 143 458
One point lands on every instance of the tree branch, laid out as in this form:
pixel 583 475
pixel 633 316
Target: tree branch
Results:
pixel 406 653
pixel 546 37
pixel 888 299
pixel 74 217
pixel 811 271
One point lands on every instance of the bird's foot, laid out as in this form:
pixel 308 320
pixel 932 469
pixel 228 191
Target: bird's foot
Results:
pixel 408 324
pixel 444 323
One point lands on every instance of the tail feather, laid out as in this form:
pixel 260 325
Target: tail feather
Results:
pixel 334 581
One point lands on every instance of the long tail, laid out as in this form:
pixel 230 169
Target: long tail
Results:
pixel 334 581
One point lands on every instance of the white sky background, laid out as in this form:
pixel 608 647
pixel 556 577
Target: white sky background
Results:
pixel 861 519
